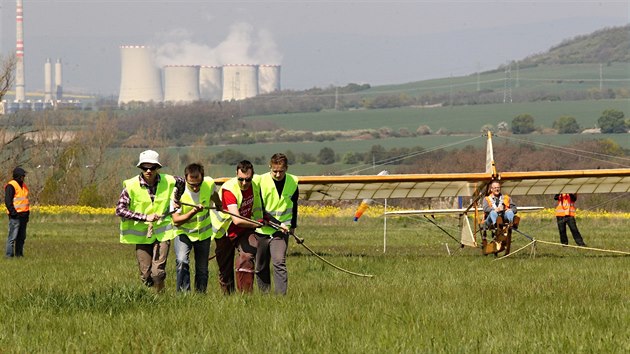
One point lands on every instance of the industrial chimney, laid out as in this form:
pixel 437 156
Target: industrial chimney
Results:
pixel 240 82
pixel 210 83
pixel 58 81
pixel 140 78
pixel 47 81
pixel 19 54
pixel 181 83
pixel 268 78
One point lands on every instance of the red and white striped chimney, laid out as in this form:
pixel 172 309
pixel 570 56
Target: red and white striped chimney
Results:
pixel 19 53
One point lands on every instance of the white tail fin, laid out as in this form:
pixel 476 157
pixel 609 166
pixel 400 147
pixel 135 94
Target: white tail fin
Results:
pixel 467 235
pixel 490 168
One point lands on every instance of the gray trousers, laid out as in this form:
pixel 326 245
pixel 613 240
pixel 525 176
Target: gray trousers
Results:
pixel 272 249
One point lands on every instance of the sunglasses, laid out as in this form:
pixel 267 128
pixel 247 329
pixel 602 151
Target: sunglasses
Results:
pixel 194 185
pixel 149 168
pixel 241 179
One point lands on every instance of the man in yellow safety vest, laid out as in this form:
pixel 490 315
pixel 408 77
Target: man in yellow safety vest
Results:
pixel 279 193
pixel 146 222
pixel 197 222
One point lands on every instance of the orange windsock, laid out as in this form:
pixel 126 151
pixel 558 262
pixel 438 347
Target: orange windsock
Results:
pixel 362 208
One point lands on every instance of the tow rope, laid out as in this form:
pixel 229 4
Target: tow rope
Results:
pixel 281 229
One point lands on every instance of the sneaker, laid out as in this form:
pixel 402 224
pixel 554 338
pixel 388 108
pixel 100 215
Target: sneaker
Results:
pixel 582 244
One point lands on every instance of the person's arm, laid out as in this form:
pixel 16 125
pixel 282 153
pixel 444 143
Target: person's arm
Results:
pixel 9 193
pixel 216 199
pixel 512 206
pixel 230 204
pixel 486 206
pixel 294 199
pixel 180 219
pixel 122 209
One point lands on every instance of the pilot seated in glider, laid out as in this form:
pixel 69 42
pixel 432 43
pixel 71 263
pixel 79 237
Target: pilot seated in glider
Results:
pixel 497 204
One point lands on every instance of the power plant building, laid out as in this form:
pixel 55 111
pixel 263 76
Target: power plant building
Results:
pixel 181 83
pixel 58 80
pixel 140 78
pixel 240 82
pixel 48 81
pixel 211 83
pixel 268 78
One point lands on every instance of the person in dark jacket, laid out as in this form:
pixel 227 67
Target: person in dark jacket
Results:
pixel 16 201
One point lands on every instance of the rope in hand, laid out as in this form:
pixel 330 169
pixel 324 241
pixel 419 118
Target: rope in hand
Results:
pixel 282 229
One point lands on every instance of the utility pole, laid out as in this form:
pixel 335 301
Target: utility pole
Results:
pixel 507 84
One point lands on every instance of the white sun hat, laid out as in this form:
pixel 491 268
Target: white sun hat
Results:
pixel 149 156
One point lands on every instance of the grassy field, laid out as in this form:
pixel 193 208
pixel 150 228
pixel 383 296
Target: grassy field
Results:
pixel 454 119
pixel 77 290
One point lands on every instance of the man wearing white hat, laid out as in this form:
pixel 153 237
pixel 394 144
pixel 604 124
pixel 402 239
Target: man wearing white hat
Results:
pixel 143 206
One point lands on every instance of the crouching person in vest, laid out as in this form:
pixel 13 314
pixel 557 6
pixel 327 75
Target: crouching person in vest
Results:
pixel 279 193
pixel 143 207
pixel 241 197
pixel 196 221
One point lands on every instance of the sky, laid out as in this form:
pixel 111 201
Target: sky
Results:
pixel 318 43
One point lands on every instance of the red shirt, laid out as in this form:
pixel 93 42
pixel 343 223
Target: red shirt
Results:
pixel 245 210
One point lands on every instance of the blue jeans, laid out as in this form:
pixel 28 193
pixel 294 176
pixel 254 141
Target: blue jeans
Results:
pixel 16 238
pixel 493 215
pixel 183 246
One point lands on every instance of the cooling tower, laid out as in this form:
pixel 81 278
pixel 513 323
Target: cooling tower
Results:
pixel 181 83
pixel 19 53
pixel 47 81
pixel 240 82
pixel 210 83
pixel 58 81
pixel 140 79
pixel 268 78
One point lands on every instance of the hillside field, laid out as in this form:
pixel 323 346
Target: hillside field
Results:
pixel 456 119
pixel 77 290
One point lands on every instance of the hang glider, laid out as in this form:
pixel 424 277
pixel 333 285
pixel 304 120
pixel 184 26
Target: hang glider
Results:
pixel 473 185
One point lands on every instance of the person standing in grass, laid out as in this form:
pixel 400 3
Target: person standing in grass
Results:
pixel 241 197
pixel 279 194
pixel 565 215
pixel 143 207
pixel 196 225
pixel 18 209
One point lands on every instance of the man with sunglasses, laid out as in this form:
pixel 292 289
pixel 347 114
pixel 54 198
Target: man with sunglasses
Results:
pixel 196 222
pixel 146 222
pixel 279 193
pixel 241 197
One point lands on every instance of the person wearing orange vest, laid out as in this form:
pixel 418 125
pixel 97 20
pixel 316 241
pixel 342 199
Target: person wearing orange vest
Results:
pixel 497 204
pixel 565 215
pixel 16 201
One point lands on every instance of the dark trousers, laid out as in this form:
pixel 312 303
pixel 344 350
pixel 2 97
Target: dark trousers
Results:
pixel 16 238
pixel 246 245
pixel 563 222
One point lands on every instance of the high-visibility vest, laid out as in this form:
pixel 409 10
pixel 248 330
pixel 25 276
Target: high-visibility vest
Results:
pixel 233 186
pixel 565 206
pixel 280 207
pixel 20 198
pixel 135 232
pixel 204 224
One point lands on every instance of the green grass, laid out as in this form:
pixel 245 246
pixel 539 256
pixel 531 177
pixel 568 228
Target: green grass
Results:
pixel 77 290
pixel 455 119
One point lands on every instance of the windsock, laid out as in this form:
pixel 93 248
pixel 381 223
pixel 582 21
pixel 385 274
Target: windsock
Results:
pixel 362 208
